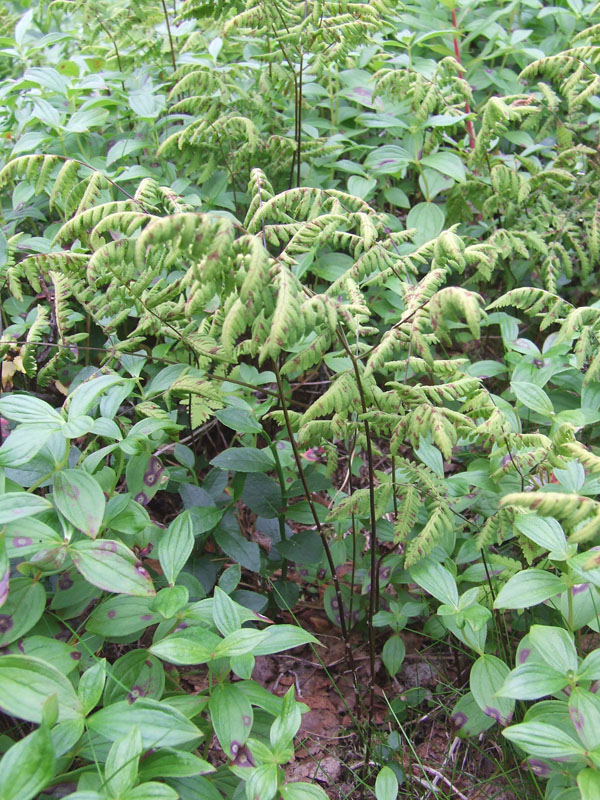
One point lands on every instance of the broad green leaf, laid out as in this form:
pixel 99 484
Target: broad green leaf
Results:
pixel 151 791
pixel 183 649
pixel 27 682
pixel 393 654
pixel 447 163
pixel 171 763
pixel 531 396
pixel 21 609
pixel 121 616
pixel 91 685
pixel 360 187
pixel 528 588
pixel 16 505
pixel 79 497
pixel 545 531
pixel 584 710
pixel 286 725
pixel 160 724
pixel 110 565
pixel 555 646
pixel 232 717
pixel 244 459
pixel 121 766
pixel 428 219
pixel 302 791
pixel 262 783
pixel 24 443
pixel 84 397
pixel 386 784
pixel 531 681
pixel 488 674
pixel 436 580
pixel 543 741
pixel 29 409
pixel 175 546
pixel 239 419
pixel 225 613
pixel 135 674
pixel 283 637
pixel 27 767
pixel 387 159
pixel 82 121
pixel 240 642
pixel 588 782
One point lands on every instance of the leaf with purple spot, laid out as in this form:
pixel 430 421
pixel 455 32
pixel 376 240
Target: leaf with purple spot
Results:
pixel 136 674
pixel 80 498
pixel 121 615
pixel 232 717
pixel 23 608
pixel 112 566
pixel 488 674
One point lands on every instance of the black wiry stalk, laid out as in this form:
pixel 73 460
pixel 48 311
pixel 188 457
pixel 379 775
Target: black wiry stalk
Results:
pixel 166 13
pixel 321 532
pixel 374 593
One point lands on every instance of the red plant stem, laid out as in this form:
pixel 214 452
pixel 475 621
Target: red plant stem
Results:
pixel 469 123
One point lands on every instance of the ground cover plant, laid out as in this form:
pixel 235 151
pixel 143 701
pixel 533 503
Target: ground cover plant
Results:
pixel 299 349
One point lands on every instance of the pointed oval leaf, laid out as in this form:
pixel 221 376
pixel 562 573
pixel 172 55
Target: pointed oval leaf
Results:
pixel 488 674
pixel 79 497
pixel 386 784
pixel 27 767
pixel 528 588
pixel 112 566
pixel 15 505
pixel 160 724
pixel 27 682
pixel 544 741
pixel 232 717
pixel 175 546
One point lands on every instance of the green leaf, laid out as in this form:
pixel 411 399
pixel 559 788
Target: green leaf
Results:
pixel 240 642
pixel 232 717
pixel 555 646
pixel 170 763
pixel 531 396
pixel 528 588
pixel 175 546
pixel 79 497
pixel 302 791
pixel 225 613
pixel 283 637
pixel 584 710
pixel 393 654
pixel 22 609
pixel 387 160
pixel 91 685
pixel 262 783
pixel 447 163
pixel 160 724
pixel 545 531
pixel 16 505
pixel 28 409
pixel 436 580
pixel 112 566
pixel 121 766
pixel 588 782
pixel 286 726
pixel 184 649
pixel 488 674
pixel 543 741
pixel 82 121
pixel 151 791
pixel 530 681
pixel 361 187
pixel 27 767
pixel 386 784
pixel 84 397
pixel 27 682
pixel 244 459
pixel 239 419
pixel 428 219
pixel 134 674
pixel 121 616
